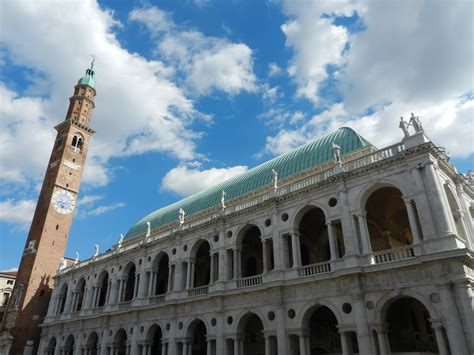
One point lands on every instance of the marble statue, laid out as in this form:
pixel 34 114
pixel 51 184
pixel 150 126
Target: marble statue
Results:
pixel 96 251
pixel 223 199
pixel 274 179
pixel 76 260
pixel 404 127
pixel 62 264
pixel 148 231
pixel 416 123
pixel 31 244
pixel 120 241
pixel 181 214
pixel 337 152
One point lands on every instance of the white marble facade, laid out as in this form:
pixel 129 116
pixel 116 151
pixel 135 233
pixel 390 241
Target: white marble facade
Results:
pixel 252 281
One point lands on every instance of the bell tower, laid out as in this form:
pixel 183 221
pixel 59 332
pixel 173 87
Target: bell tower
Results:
pixel 49 231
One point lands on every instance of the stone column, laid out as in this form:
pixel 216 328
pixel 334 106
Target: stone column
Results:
pixel 454 327
pixel 360 317
pixel 222 258
pixel 170 277
pixel 348 229
pixel 192 268
pixel 295 245
pixel 423 206
pixel 282 340
pixel 164 348
pixel 465 301
pixel 237 256
pixel 188 275
pixel 302 340
pixel 364 232
pixel 345 343
pixel 440 211
pixel 143 285
pixel 238 345
pixel 137 283
pixel 209 347
pixel 384 346
pixel 413 221
pixel 332 241
pixel 211 276
pixel 120 291
pixel 265 256
pixel 114 295
pixel 440 340
pixel 109 292
pixel 267 345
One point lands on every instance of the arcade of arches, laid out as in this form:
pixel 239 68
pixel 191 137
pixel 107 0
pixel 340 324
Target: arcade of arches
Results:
pixel 408 328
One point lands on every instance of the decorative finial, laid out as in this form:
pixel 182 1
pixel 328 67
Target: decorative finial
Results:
pixel 93 61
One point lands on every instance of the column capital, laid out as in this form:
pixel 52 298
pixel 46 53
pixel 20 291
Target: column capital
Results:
pixel 436 323
pixel 360 213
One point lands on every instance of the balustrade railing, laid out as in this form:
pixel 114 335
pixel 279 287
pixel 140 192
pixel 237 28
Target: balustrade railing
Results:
pixel 198 291
pixel 315 269
pixel 387 256
pixel 250 281
pixel 157 299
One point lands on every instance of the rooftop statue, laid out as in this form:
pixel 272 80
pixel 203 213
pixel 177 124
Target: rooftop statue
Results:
pixel 337 152
pixel 274 179
pixel 404 127
pixel 181 214
pixel 223 199
pixel 416 123
pixel 96 250
pixel 148 231
pixel 76 260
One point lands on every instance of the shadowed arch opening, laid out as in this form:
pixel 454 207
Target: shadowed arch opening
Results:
pixel 252 252
pixel 120 342
pixel 92 344
pixel 161 268
pixel 202 268
pixel 130 272
pixel 104 286
pixel 51 347
pixel 80 292
pixel 197 332
pixel 324 334
pixel 251 326
pixel 387 220
pixel 155 335
pixel 314 239
pixel 69 345
pixel 62 299
pixel 409 327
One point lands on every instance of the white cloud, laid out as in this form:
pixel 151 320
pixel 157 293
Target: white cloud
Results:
pixel 88 200
pixel 315 40
pixel 103 209
pixel 411 57
pixel 12 269
pixel 208 63
pixel 274 69
pixel 186 180
pixel 128 120
pixel 17 212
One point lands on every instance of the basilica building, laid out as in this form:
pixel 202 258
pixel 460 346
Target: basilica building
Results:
pixel 336 247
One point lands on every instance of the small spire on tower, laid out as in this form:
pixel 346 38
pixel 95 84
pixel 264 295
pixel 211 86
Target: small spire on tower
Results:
pixel 90 71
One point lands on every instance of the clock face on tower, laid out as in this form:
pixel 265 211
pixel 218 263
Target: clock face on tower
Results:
pixel 63 201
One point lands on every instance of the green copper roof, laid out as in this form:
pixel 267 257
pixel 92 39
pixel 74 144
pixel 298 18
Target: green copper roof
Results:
pixel 293 162
pixel 87 79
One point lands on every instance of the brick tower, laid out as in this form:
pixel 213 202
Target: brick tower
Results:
pixel 49 231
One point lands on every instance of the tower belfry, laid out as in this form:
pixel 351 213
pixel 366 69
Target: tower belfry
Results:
pixel 49 231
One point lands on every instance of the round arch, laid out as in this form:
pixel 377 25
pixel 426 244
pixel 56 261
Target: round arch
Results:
pixel 197 245
pixel 155 335
pixel 51 347
pixel 241 230
pixel 120 341
pixel 197 330
pixel 92 343
pixel 160 268
pixel 129 273
pixel 299 213
pixel 69 345
pixel 63 294
pixel 307 310
pixel 80 290
pixel 252 328
pixel 251 255
pixel 370 188
pixel 103 284
pixel 382 305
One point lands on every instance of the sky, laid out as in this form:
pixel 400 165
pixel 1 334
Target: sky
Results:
pixel 190 93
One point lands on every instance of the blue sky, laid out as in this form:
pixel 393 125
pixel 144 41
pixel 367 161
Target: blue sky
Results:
pixel 192 92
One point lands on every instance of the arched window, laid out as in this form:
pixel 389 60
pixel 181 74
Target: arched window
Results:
pixel 77 142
